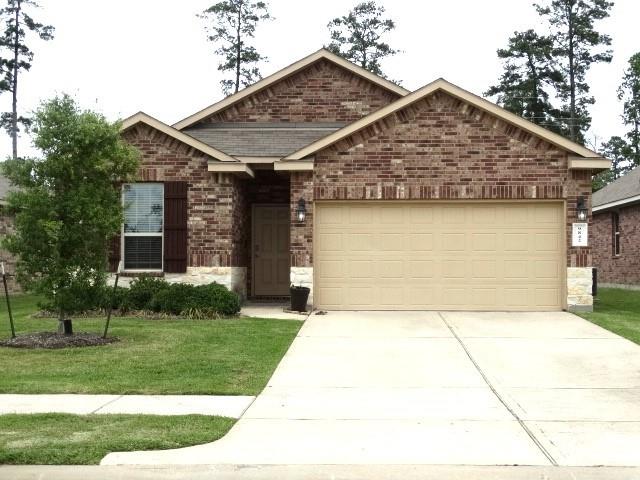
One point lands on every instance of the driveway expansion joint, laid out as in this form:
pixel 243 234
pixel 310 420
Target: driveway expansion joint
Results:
pixel 107 403
pixel 522 424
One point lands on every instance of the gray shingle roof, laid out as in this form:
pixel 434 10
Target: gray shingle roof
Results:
pixel 624 187
pixel 261 139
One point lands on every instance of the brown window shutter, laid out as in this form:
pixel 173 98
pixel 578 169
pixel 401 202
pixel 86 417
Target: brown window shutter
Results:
pixel 175 227
pixel 114 253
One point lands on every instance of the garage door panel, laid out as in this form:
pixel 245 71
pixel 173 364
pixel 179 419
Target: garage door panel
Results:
pixel 468 256
pixel 453 242
pixel 484 242
pixel 421 242
pixel 419 214
pixel 420 269
pixel 454 215
pixel 330 242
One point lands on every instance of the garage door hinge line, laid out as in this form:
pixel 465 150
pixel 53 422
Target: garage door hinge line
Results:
pixel 495 392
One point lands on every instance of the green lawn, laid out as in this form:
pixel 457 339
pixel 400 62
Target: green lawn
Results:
pixel 63 439
pixel 617 310
pixel 230 356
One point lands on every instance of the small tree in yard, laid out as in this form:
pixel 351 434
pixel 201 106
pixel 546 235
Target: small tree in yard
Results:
pixel 67 205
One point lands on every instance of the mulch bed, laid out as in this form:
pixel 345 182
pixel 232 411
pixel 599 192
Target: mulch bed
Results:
pixel 53 340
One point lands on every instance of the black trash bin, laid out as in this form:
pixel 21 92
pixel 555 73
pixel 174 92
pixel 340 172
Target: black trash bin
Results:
pixel 299 297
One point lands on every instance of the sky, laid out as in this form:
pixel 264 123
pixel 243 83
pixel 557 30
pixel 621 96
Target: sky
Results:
pixel 119 57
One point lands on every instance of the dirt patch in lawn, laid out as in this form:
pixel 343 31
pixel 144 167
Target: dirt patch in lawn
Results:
pixel 53 340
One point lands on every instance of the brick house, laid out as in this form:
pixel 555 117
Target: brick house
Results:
pixel 616 231
pixel 6 227
pixel 328 176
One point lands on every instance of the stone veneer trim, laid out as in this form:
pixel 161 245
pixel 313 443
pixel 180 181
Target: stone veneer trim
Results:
pixel 579 289
pixel 234 278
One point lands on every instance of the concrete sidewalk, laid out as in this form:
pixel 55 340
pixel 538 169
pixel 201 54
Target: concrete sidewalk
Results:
pixel 220 405
pixel 314 472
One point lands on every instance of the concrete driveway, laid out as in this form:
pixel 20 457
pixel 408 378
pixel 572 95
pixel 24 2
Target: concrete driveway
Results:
pixel 439 388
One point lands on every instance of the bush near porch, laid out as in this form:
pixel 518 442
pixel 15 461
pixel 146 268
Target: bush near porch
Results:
pixel 226 356
pixel 156 295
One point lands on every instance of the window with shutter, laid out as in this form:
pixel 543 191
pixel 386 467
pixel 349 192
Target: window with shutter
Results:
pixel 175 227
pixel 615 233
pixel 143 229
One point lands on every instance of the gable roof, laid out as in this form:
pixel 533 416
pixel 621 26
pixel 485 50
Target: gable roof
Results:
pixel 624 190
pixel 142 117
pixel 451 89
pixel 321 54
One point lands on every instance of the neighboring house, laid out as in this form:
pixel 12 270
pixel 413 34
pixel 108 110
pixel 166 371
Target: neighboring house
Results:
pixel 6 226
pixel 616 231
pixel 328 176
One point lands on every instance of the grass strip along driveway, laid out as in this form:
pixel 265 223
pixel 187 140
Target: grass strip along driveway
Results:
pixel 617 310
pixel 233 356
pixel 62 439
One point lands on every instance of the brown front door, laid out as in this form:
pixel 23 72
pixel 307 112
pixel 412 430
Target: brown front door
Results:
pixel 270 250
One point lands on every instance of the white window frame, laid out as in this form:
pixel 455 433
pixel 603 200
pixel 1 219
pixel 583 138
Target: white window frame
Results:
pixel 130 234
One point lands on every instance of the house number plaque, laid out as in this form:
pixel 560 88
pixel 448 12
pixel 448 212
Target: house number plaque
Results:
pixel 580 234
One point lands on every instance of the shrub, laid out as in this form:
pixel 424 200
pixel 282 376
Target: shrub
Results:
pixel 142 290
pixel 212 299
pixel 156 295
pixel 118 298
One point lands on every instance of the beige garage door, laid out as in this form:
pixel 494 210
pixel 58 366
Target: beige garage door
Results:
pixel 447 256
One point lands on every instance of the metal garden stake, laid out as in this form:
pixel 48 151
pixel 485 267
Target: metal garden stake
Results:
pixel 6 295
pixel 115 286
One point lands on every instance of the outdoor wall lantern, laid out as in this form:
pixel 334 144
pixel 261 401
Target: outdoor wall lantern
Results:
pixel 301 211
pixel 582 211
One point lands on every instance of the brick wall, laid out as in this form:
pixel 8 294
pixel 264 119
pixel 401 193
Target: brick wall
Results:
pixel 625 268
pixel 443 148
pixel 322 92
pixel 214 199
pixel 301 233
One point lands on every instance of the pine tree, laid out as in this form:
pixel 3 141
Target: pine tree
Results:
pixel 577 45
pixel 16 57
pixel 232 24
pixel 528 74
pixel 619 152
pixel 629 93
pixel 357 36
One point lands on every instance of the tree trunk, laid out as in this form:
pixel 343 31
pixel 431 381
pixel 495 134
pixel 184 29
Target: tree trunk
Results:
pixel 65 325
pixel 14 81
pixel 636 140
pixel 572 80
pixel 536 108
pixel 238 48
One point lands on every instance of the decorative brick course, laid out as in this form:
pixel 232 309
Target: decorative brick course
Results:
pixel 322 92
pixel 443 148
pixel 625 268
